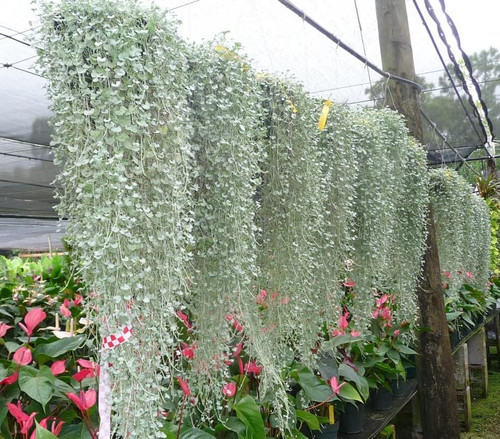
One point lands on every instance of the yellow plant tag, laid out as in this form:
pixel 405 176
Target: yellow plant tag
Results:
pixel 324 115
pixel 230 55
pixel 331 414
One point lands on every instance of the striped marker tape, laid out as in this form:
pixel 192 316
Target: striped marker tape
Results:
pixel 109 342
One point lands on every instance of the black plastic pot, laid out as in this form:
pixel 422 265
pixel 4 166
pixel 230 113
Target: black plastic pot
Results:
pixel 398 387
pixel 381 399
pixel 492 309
pixel 328 431
pixel 352 420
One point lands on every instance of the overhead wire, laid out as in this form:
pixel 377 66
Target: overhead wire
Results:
pixel 23 70
pixel 23 142
pixel 363 43
pixel 18 32
pixel 16 39
pixel 185 4
pixel 453 85
pixel 25 157
pixel 479 106
pixel 26 184
pixel 7 65
pixel 289 5
pixel 445 140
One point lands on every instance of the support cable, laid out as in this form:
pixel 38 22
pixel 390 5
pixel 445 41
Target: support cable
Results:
pixel 445 141
pixel 25 157
pixel 16 40
pixel 436 48
pixel 185 4
pixel 363 44
pixel 23 142
pixel 26 184
pixel 289 5
pixel 480 109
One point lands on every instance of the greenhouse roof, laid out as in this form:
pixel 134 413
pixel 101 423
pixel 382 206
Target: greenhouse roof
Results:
pixel 27 216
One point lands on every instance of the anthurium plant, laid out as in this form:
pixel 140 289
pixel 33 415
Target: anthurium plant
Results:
pixel 48 376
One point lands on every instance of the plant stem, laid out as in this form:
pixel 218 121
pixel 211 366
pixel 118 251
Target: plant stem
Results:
pixel 321 403
pixel 180 417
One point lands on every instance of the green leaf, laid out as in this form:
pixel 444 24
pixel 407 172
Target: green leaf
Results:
pixel 349 374
pixel 348 392
pixel 75 431
pixel 406 350
pixel 42 433
pixel 341 339
pixel 194 433
pixel 236 425
pixel 394 356
pixel 39 387
pixel 311 420
pixel 57 348
pixel 12 346
pixel 248 411
pixel 3 372
pixel 314 387
pixel 296 434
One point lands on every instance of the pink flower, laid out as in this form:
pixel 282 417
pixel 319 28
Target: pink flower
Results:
pixel 445 285
pixel 349 283
pixel 9 380
pixel 188 351
pixel 447 274
pixel 285 300
pixel 184 318
pixel 386 314
pixel 24 420
pixel 23 356
pixel 469 274
pixel 4 328
pixel 355 333
pixel 65 310
pixel 55 428
pixel 78 300
pixel 85 400
pixel 58 367
pixel 184 386
pixel 337 332
pixel 269 328
pixel 396 332
pixel 17 412
pixel 261 298
pixel 238 349
pixel 229 389
pixel 251 367
pixel 335 385
pixel 382 300
pixel 89 370
pixel 241 368
pixel 343 323
pixel 32 320
pixel 236 325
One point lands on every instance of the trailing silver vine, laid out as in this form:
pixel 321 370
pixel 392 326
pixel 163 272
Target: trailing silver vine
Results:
pixel 121 138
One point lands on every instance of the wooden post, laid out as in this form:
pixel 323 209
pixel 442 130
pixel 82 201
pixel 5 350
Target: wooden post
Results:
pixel 436 384
pixel 462 380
